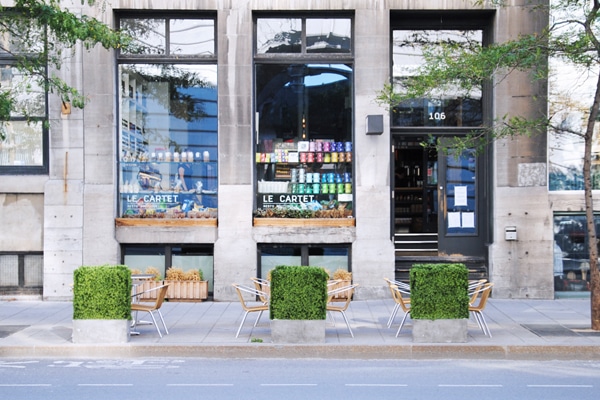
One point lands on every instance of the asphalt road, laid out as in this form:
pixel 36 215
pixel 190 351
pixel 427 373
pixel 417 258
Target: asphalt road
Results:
pixel 195 378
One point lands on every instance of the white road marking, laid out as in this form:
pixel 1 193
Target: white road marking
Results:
pixel 200 384
pixel 105 384
pixel 475 385
pixel 288 384
pixel 15 364
pixel 560 386
pixel 25 384
pixel 376 384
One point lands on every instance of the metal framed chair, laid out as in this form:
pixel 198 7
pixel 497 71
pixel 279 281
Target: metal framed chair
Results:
pixel 152 308
pixel 403 288
pixel 248 308
pixel 402 303
pixel 481 298
pixel 341 307
pixel 264 286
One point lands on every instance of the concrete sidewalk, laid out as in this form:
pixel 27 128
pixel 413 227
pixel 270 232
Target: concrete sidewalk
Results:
pixel 521 329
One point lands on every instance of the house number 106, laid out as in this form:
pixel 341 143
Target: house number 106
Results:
pixel 437 115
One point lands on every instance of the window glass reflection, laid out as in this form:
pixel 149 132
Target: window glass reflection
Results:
pixel 30 39
pixel 273 256
pixel 304 101
pixel 570 92
pixel 278 35
pixel 329 35
pixel 330 258
pixel 29 97
pixel 149 35
pixel 23 144
pixel 192 37
pixel 571 256
pixel 451 105
pixel 168 141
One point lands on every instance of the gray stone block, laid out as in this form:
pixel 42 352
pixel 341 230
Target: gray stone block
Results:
pixel 298 331
pixel 97 331
pixel 439 331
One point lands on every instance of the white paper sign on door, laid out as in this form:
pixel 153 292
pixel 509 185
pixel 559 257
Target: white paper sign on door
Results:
pixel 454 220
pixel 468 220
pixel 460 196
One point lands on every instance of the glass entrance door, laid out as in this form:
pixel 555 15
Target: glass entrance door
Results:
pixel 462 204
pixel 415 197
pixel 438 200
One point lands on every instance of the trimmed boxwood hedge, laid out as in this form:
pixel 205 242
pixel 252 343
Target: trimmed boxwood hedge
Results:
pixel 102 292
pixel 298 293
pixel 439 291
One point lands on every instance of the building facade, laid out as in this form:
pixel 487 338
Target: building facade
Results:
pixel 222 112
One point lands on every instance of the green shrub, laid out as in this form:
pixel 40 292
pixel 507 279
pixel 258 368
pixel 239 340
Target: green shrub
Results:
pixel 102 292
pixel 439 291
pixel 298 293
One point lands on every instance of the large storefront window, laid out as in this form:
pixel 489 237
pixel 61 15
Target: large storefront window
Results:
pixel 146 258
pixel 304 148
pixel 452 106
pixel 168 112
pixel 330 257
pixel 571 256
pixel 24 135
pixel 571 91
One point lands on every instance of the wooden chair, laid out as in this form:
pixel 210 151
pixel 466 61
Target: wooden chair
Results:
pixel 152 308
pixel 341 307
pixel 250 308
pixel 477 309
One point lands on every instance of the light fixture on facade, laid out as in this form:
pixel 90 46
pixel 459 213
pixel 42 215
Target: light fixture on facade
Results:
pixel 374 124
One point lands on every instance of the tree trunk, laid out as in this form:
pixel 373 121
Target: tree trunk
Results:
pixel 589 213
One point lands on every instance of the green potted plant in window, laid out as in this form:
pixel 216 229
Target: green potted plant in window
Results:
pixel 101 304
pixel 439 305
pixel 298 304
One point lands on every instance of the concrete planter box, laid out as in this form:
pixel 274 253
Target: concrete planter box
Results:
pixel 297 331
pixel 99 331
pixel 439 330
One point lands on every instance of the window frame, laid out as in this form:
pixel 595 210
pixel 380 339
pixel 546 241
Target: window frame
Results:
pixel 306 58
pixel 167 58
pixel 445 20
pixel 304 249
pixel 160 59
pixel 13 59
pixel 303 56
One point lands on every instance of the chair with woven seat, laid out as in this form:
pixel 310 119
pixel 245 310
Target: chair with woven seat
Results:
pixel 403 288
pixel 264 286
pixel 341 307
pixel 402 303
pixel 248 308
pixel 154 307
pixel 474 289
pixel 482 296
